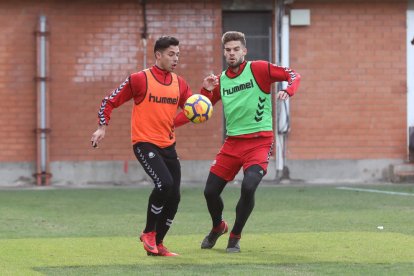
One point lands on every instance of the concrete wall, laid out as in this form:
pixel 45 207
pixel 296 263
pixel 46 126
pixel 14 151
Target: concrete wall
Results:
pixel 84 173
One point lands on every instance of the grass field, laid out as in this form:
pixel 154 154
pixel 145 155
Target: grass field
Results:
pixel 294 230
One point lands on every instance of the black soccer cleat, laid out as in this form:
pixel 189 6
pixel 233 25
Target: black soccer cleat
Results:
pixel 233 246
pixel 211 239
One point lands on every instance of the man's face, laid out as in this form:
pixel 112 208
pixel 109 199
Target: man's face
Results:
pixel 234 52
pixel 168 59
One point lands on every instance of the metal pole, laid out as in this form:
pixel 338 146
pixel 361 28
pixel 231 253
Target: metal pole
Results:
pixel 43 176
pixel 282 106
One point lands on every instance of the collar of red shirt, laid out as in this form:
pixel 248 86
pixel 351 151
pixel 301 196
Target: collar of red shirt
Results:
pixel 161 75
pixel 231 74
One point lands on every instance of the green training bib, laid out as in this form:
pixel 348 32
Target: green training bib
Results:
pixel 247 108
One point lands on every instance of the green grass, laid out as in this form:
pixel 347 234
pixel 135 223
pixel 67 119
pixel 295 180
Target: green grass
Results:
pixel 294 230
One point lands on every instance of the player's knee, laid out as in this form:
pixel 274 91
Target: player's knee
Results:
pixel 251 180
pixel 249 186
pixel 212 189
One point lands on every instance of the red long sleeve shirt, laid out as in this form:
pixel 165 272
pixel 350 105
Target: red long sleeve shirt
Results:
pixel 265 74
pixel 135 87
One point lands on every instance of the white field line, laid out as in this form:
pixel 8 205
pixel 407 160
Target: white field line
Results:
pixel 375 191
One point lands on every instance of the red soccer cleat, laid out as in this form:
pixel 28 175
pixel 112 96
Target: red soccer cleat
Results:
pixel 148 239
pixel 163 251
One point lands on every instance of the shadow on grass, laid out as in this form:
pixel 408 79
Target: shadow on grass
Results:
pixel 235 269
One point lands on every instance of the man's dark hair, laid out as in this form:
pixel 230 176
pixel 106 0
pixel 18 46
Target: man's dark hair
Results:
pixel 233 36
pixel 164 42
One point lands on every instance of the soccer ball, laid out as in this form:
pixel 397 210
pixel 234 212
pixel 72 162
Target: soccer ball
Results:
pixel 198 108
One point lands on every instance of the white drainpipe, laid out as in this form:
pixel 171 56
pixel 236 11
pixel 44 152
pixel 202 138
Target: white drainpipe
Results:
pixel 282 59
pixel 42 175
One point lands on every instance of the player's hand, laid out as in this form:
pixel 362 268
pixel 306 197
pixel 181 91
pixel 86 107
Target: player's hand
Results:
pixel 282 95
pixel 97 136
pixel 210 82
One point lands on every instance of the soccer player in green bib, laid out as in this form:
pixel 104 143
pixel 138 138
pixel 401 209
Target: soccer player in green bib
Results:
pixel 245 91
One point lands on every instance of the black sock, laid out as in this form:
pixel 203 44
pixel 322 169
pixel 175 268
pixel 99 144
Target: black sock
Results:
pixel 167 217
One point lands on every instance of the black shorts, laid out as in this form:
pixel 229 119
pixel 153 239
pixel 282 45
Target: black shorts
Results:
pixel 161 165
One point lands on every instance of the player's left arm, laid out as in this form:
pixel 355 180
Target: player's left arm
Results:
pixel 267 73
pixel 185 92
pixel 279 73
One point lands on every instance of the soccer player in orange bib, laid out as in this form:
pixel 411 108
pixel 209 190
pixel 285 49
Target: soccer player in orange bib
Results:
pixel 157 93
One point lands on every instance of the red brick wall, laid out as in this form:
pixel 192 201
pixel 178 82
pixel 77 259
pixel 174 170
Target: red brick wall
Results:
pixel 351 104
pixel 17 88
pixel 352 100
pixel 94 45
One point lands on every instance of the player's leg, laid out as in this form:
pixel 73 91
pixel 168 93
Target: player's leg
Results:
pixel 212 193
pixel 252 177
pixel 169 210
pixel 224 169
pixel 245 205
pixel 153 164
pixel 256 159
pixel 214 187
pixel 171 205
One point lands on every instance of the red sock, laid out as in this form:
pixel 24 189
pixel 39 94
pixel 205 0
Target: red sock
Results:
pixel 235 236
pixel 219 228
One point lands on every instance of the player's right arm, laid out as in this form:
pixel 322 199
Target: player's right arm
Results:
pixel 133 87
pixel 211 88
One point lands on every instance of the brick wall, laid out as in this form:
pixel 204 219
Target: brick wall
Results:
pixel 352 100
pixel 17 88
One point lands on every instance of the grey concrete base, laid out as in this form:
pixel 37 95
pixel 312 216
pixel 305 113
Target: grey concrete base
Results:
pixel 131 173
pixel 98 172
pixel 349 171
pixel 403 173
pixel 17 173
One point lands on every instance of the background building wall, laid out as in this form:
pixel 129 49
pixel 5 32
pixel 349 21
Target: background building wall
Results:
pixel 352 101
pixel 351 104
